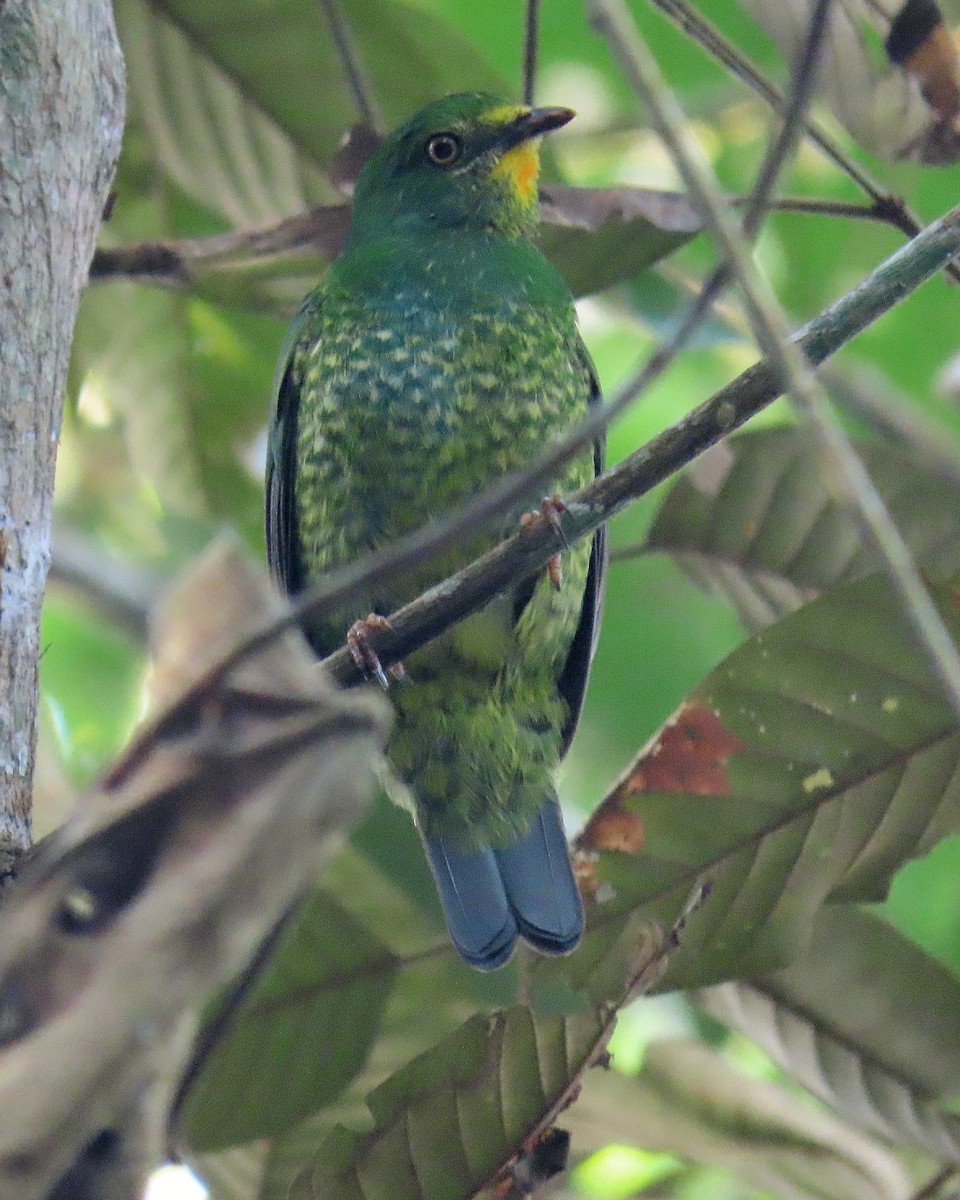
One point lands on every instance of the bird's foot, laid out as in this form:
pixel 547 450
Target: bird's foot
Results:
pixel 363 653
pixel 550 509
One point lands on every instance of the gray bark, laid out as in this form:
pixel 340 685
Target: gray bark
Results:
pixel 61 119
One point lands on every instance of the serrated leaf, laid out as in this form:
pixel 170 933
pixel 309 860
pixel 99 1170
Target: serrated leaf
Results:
pixel 755 520
pixel 300 1033
pixel 809 765
pixel 446 1124
pixel 690 1100
pixel 867 1022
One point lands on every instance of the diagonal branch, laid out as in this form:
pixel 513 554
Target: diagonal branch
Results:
pixel 772 333
pixel 530 550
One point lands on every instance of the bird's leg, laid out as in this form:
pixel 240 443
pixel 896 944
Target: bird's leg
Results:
pixel 550 509
pixel 364 655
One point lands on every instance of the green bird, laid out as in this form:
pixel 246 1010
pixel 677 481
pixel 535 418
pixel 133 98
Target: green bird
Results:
pixel 440 351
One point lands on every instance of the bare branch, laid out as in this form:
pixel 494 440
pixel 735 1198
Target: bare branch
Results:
pixel 357 77
pixel 531 49
pixel 773 336
pixel 180 264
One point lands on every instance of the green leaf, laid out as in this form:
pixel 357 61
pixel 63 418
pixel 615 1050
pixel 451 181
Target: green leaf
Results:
pixel 299 1034
pixel 207 133
pixel 90 678
pixel 247 120
pixel 756 520
pixel 808 766
pixel 690 1100
pixel 360 943
pixel 867 1022
pixel 451 1120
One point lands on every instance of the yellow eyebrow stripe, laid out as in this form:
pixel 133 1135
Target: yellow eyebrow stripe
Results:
pixel 504 114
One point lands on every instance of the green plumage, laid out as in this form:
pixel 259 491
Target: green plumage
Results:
pixel 439 352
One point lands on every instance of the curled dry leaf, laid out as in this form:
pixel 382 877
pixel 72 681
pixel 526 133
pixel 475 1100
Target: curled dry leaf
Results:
pixel 899 101
pixel 168 876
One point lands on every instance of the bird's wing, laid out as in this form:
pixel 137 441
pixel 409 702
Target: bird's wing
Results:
pixel 281 515
pixel 572 684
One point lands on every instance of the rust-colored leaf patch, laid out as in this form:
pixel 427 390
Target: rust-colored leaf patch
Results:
pixel 690 757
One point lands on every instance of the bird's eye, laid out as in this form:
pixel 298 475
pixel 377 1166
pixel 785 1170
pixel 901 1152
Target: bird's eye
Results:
pixel 444 149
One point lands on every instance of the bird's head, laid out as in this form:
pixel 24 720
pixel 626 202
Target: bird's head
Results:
pixel 467 161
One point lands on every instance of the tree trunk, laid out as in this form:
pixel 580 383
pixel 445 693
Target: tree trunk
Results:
pixel 61 119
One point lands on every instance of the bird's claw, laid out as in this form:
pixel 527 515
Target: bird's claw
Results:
pixel 550 509
pixel 364 655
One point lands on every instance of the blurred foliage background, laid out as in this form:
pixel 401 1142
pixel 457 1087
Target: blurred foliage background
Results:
pixel 237 108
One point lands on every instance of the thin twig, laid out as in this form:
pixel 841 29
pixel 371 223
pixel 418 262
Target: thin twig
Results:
pixel 179 264
pixel 891 209
pixel 531 50
pixel 773 336
pixel 527 552
pixel 872 396
pixel 793 120
pixel 810 205
pixel 119 590
pixel 935 1183
pixel 357 77
pixel 777 153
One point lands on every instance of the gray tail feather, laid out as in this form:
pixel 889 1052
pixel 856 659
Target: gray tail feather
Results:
pixel 539 883
pixel 489 896
pixel 474 903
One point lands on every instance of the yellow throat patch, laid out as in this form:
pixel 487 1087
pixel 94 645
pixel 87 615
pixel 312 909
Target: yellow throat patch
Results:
pixel 519 168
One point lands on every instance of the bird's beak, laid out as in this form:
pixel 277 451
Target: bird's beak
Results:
pixel 533 123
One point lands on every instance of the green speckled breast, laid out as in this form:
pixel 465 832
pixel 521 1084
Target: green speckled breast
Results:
pixel 417 386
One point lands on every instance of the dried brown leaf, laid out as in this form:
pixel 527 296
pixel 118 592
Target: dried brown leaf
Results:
pixel 168 876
